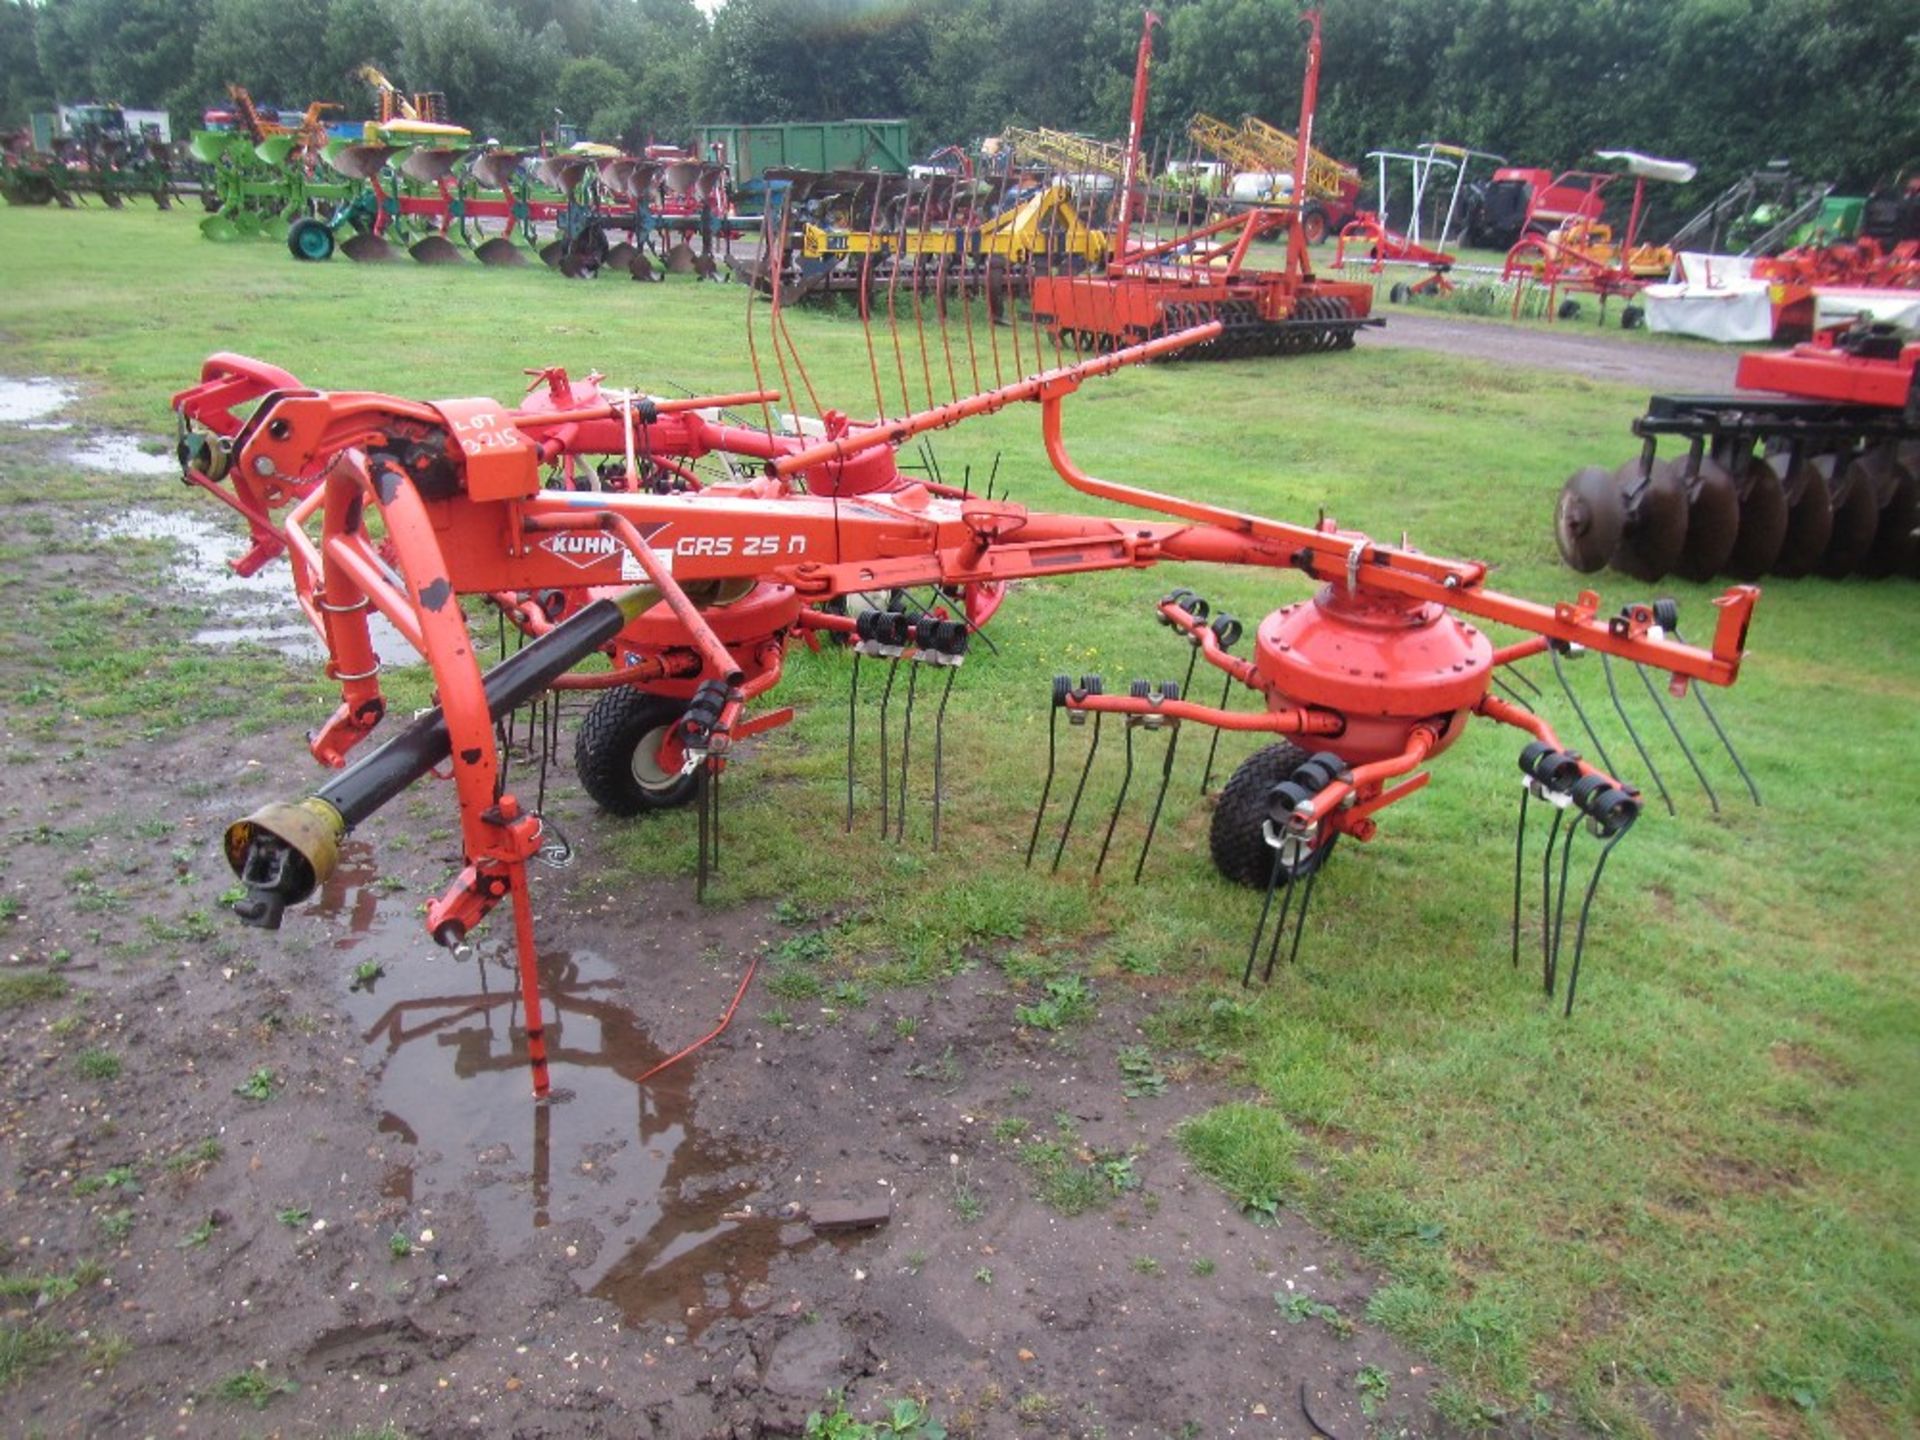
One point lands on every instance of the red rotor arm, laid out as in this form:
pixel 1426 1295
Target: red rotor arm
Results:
pixel 1338 556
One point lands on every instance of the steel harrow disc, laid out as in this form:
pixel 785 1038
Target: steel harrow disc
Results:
pixel 1896 492
pixel 1713 521
pixel 1655 532
pixel 1809 514
pixel 1856 515
pixel 1588 519
pixel 1763 519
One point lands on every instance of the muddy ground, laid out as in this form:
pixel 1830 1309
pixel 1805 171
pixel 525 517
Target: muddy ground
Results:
pixel 247 1193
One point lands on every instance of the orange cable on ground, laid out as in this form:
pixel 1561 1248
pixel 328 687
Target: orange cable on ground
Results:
pixel 725 1020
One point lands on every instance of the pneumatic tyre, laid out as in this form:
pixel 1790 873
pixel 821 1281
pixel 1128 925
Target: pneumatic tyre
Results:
pixel 1238 838
pixel 616 754
pixel 310 239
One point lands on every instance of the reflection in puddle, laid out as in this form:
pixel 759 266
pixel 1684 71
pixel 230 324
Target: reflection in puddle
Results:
pixel 683 1240
pixel 259 610
pixel 119 455
pixel 33 399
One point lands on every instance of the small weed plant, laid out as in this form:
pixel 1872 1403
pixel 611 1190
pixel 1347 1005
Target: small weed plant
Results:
pixel 905 1420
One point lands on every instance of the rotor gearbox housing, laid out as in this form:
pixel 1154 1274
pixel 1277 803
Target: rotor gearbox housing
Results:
pixel 1384 662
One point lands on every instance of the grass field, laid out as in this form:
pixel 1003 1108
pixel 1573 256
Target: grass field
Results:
pixel 1701 1188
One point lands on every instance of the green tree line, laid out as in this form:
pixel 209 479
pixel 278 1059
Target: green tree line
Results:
pixel 1833 85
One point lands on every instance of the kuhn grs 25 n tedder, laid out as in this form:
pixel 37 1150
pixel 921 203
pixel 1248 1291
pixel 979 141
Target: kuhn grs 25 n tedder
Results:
pixel 691 552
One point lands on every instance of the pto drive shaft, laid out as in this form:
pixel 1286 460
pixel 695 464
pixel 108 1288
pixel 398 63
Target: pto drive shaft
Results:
pixel 283 851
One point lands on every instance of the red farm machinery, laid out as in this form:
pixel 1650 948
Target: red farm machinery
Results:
pixel 665 556
pixel 1163 284
pixel 1585 254
pixel 1813 468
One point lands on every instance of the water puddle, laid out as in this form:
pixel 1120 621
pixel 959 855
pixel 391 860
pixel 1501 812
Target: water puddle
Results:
pixel 682 1237
pixel 259 610
pixel 34 399
pixel 118 455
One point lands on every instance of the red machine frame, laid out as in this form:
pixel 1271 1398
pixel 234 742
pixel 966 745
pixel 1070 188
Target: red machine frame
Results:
pixel 459 493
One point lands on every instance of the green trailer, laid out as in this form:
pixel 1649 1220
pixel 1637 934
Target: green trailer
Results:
pixel 752 150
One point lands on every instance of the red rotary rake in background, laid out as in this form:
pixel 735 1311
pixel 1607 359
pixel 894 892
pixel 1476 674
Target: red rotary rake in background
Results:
pixel 691 552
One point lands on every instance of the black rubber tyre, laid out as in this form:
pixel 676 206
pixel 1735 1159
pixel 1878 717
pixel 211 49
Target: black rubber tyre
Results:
pixel 1314 222
pixel 1400 294
pixel 1238 839
pixel 1632 318
pixel 614 754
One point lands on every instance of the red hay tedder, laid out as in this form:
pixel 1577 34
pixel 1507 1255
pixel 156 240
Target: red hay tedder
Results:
pixel 580 516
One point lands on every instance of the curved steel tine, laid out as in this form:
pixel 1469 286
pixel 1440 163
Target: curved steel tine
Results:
pixel 1266 905
pixel 1193 659
pixel 886 699
pixel 1525 679
pixel 1606 665
pixel 906 748
pixel 1046 786
pixel 1560 906
pixel 1213 746
pixel 917 263
pixel 1714 720
pixel 1519 855
pixel 1679 739
pixel 1585 724
pixel 949 246
pixel 1510 693
pixel 1280 925
pixel 896 248
pixel 1546 890
pixel 1586 905
pixel 1073 809
pixel 1726 743
pixel 1166 779
pixel 853 700
pixel 774 325
pixel 1126 779
pixel 1306 900
pixel 939 751
pixel 864 300
pixel 964 242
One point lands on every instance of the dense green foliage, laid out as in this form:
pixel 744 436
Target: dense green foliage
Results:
pixel 1727 83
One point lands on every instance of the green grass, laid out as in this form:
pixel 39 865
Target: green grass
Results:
pixel 1702 1185
pixel 26 1347
pixel 31 987
pixel 97 1063
pixel 252 1387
